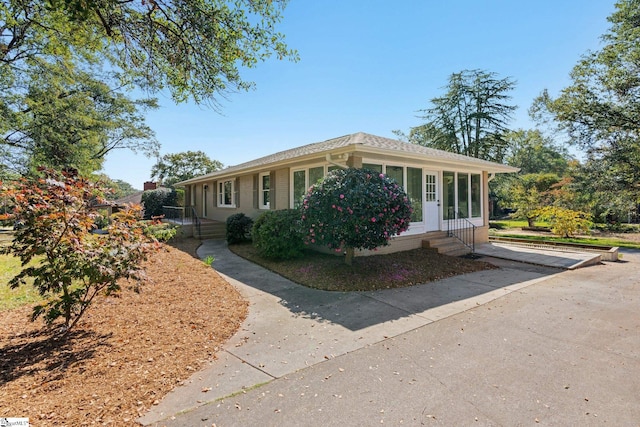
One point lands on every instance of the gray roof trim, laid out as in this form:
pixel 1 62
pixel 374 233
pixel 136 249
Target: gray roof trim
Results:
pixel 362 142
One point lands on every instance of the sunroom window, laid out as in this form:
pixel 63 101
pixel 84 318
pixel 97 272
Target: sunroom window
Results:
pixel 461 195
pixel 302 180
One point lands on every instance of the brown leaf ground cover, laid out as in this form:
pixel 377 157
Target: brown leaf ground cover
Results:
pixel 396 270
pixel 126 353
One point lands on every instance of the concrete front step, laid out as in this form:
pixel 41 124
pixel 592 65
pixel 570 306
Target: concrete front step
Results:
pixel 211 231
pixel 446 245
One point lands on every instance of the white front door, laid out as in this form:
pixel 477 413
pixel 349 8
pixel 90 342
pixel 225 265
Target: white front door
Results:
pixel 431 202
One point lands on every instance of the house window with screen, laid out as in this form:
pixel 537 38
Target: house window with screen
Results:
pixel 226 194
pixel 265 187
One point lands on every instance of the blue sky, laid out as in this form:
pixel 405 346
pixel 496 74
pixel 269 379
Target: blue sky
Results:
pixel 370 65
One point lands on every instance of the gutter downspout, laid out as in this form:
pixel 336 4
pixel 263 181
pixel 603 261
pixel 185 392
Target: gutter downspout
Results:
pixel 328 158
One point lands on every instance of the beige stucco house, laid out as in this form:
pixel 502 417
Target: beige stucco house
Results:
pixel 440 184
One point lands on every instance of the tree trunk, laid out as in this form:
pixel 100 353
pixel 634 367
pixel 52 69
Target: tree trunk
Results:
pixel 530 221
pixel 349 256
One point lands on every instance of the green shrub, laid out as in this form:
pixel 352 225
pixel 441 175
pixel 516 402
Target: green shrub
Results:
pixel 355 209
pixel 277 234
pixel 154 200
pixel 161 231
pixel 239 228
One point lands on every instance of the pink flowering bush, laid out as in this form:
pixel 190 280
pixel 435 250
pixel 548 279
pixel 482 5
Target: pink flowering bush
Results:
pixel 355 209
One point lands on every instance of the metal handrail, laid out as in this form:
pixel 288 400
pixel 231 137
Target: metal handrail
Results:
pixel 174 213
pixel 196 220
pixel 462 229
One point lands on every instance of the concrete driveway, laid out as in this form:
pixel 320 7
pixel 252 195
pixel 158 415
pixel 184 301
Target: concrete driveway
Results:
pixel 522 345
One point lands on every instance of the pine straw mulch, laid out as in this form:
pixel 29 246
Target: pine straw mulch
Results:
pixel 126 353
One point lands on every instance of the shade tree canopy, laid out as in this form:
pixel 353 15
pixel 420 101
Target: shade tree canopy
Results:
pixel 176 167
pixel 193 48
pixel 600 109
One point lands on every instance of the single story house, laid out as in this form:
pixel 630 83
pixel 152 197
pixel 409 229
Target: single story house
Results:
pixel 441 185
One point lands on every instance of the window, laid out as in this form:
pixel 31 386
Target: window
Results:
pixel 462 195
pixel 448 194
pixel 265 187
pixel 396 173
pixel 226 194
pixel 414 192
pixel 302 180
pixel 373 167
pixel 476 200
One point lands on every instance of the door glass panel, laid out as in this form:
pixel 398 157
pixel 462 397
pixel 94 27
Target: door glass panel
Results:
pixel 430 189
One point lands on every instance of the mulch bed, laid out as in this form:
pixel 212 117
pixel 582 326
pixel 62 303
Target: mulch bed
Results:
pixel 126 353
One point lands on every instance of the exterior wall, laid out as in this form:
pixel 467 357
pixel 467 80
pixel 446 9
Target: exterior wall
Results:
pixel 246 189
pixel 281 186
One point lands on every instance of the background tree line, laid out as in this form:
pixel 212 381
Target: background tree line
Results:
pixel 598 115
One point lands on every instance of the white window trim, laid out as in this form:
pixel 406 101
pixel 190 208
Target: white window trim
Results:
pixel 261 189
pixel 478 220
pixel 306 179
pixel 221 193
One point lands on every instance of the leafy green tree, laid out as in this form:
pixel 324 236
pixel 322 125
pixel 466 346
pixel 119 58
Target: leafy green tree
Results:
pixel 120 189
pixel 471 118
pixel 537 156
pixel 532 152
pixel 565 222
pixel 70 265
pixel 354 209
pixel 600 110
pixel 172 168
pixel 194 48
pixel 154 200
pixel 67 118
pixel 527 194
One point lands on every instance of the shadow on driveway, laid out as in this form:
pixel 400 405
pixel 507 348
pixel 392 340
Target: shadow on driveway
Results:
pixel 360 310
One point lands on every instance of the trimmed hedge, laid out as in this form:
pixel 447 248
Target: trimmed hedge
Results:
pixel 154 200
pixel 277 234
pixel 239 228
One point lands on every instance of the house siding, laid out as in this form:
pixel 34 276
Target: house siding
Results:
pixel 352 151
pixel 281 197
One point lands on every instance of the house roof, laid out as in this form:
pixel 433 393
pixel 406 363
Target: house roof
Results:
pixel 135 198
pixel 362 142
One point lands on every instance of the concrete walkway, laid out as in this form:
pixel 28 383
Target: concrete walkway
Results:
pixel 565 258
pixel 295 334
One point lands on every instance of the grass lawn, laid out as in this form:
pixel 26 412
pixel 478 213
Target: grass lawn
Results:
pixel 600 241
pixel 330 272
pixel 513 228
pixel 9 267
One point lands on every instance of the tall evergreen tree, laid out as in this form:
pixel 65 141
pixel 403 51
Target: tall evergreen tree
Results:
pixel 471 118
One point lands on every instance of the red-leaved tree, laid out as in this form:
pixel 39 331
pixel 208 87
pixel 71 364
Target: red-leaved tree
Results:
pixel 55 216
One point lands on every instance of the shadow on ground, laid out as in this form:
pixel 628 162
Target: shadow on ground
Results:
pixel 359 310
